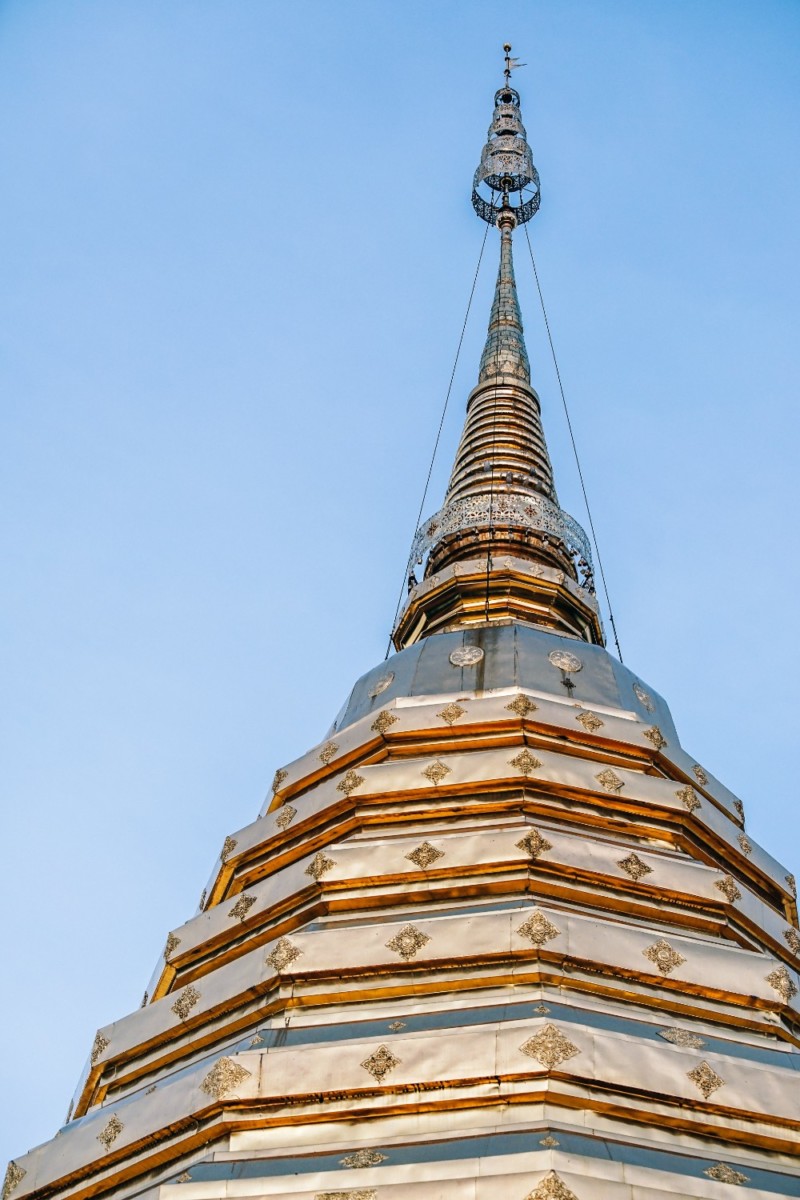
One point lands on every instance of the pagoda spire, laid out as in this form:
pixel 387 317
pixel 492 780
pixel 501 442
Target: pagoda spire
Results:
pixel 501 548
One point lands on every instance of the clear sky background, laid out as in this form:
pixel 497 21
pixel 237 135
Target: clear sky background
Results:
pixel 237 246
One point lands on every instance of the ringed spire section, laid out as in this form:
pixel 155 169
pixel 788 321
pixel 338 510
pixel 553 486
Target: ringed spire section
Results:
pixel 502 548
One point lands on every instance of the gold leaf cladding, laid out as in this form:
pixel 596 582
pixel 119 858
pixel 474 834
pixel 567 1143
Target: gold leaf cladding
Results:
pixel 633 866
pixel 745 844
pixel 782 982
pixel 705 1078
pixel 384 721
pixel 590 721
pixel 278 778
pixel 655 737
pixel 228 847
pixel 725 1174
pixel 610 781
pixel 700 775
pixel 525 762
pixel 223 1077
pixel 186 1002
pixel 792 937
pixel 283 953
pixel 111 1132
pixel 424 855
pixel 737 804
pixel 319 864
pixel 551 1188
pixel 13 1178
pixel 242 906
pixel 358 1194
pixel 522 706
pixel 451 712
pixel 328 752
pixel 98 1046
pixel 534 844
pixel 682 1037
pixel 662 955
pixel 538 929
pixel 363 1158
pixel 436 772
pixel 549 1047
pixel 381 1063
pixel 549 1141
pixel 727 885
pixel 408 942
pixel 792 883
pixel 285 817
pixel 171 946
pixel 349 782
pixel 688 798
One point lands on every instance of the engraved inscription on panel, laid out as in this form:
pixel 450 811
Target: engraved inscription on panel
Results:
pixel 223 1077
pixel 282 954
pixel 424 855
pixel 381 1063
pixel 408 942
pixel 549 1047
pixel 706 1079
pixel 538 929
pixel 384 721
pixel 662 955
pixel 534 844
pixel 522 706
pixel 632 865
pixel 525 762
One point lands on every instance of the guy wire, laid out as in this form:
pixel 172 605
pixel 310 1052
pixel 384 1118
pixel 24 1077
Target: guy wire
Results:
pixel 439 431
pixel 574 446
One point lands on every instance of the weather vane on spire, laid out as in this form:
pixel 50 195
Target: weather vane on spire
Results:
pixel 506 168
pixel 511 63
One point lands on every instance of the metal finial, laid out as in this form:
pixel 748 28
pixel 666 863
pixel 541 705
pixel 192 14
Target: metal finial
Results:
pixel 506 167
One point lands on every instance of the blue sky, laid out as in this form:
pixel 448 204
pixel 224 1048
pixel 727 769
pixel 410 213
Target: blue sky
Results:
pixel 237 246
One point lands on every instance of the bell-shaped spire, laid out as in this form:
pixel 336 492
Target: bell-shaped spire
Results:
pixel 501 547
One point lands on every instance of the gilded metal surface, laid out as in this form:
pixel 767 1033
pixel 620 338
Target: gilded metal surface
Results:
pixel 223 1078
pixel 538 929
pixel 451 712
pixel 381 1063
pixel 110 1132
pixel 186 1001
pixel 283 954
pixel 534 844
pixel 655 737
pixel 688 798
pixel 384 721
pixel 424 855
pixel 549 1047
pixel 551 1188
pixel 436 772
pixel 349 782
pixel 98 1046
pixel 522 706
pixel 242 906
pixel 705 1078
pixel 590 721
pixel 363 1158
pixel 525 762
pixel 682 1037
pixel 320 865
pixel 663 956
pixel 610 781
pixel 408 942
pixel 727 885
pixel 725 1174
pixel 632 865
pixel 286 814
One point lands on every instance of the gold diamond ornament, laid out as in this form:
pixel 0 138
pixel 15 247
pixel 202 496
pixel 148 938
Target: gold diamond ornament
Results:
pixel 436 772
pixel 384 721
pixel 551 1188
pixel 792 938
pixel 522 706
pixel 590 721
pixel 727 885
pixel 283 953
pixel 242 906
pixel 725 1174
pixel 633 866
pixel 319 865
pixel 363 1158
pixel 328 752
pixel 525 762
pixel 408 942
pixel 662 956
pixel 682 1037
pixel 223 1077
pixel 538 929
pixel 349 782
pixel 381 1063
pixel 705 1079
pixel 99 1045
pixel 782 982
pixel 655 737
pixel 285 817
pixel 186 1002
pixel 534 844
pixel 610 781
pixel 549 1047
pixel 688 798
pixel 278 778
pixel 110 1133
pixel 424 855
pixel 451 712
